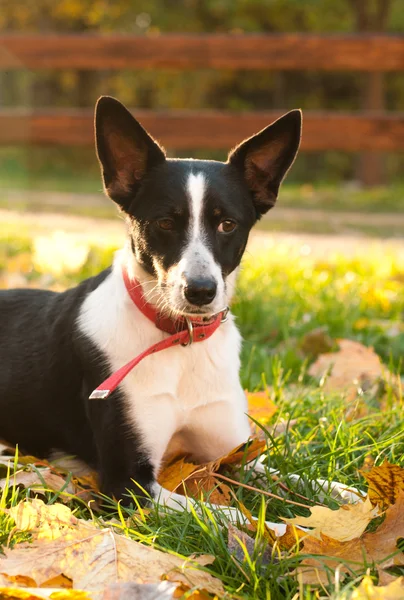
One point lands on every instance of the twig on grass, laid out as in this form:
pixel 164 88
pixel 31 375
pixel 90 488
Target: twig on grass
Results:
pixel 263 492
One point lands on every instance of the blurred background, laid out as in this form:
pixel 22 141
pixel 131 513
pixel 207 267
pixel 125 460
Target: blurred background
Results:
pixel 201 75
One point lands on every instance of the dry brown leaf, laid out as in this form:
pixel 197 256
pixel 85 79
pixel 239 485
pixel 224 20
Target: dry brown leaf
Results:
pixel 40 480
pixel 368 591
pixel 172 476
pixel 316 571
pixel 18 580
pixel 352 366
pixel 383 542
pixel 370 547
pixel 260 406
pixel 385 483
pixel 291 537
pixel 246 453
pixel 204 484
pixel 93 558
pixel 344 524
pixel 239 543
pixel 201 478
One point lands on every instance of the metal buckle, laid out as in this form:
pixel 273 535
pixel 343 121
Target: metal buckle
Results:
pixel 190 332
pixel 225 314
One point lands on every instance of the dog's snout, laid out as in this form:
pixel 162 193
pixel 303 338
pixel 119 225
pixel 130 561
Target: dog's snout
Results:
pixel 200 291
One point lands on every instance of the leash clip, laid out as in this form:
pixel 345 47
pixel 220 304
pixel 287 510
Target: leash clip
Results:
pixel 190 332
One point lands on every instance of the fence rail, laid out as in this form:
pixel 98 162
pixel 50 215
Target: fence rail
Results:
pixel 362 131
pixel 276 52
pixel 216 129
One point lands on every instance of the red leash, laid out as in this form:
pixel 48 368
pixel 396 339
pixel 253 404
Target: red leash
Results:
pixel 184 331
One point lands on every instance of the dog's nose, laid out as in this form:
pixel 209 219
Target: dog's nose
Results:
pixel 200 291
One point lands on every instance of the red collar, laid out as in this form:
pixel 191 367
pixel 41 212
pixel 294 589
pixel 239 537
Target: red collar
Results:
pixel 184 331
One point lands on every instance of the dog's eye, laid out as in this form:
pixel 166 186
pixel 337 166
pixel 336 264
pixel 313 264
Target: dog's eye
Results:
pixel 227 226
pixel 166 224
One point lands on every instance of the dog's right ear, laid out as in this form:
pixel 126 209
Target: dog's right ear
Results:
pixel 124 149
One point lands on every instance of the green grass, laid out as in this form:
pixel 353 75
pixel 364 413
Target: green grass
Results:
pixel 281 297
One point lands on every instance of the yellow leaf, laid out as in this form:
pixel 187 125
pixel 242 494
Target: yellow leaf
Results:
pixel 385 483
pixel 40 594
pixel 260 406
pixel 344 524
pixel 90 557
pixel 368 591
pixel 378 548
pixel 50 522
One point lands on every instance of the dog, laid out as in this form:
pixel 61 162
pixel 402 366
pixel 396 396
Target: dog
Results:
pixel 144 356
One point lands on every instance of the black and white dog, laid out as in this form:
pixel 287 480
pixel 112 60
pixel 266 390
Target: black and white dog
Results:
pixel 188 222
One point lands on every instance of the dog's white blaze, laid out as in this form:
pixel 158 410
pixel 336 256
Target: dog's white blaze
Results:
pixel 196 186
pixel 197 260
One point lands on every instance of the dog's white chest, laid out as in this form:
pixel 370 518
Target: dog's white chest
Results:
pixel 167 391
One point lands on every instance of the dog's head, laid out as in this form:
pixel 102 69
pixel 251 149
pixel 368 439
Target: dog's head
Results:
pixel 189 220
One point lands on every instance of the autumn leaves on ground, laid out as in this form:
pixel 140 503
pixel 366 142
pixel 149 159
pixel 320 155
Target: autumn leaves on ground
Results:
pixel 322 370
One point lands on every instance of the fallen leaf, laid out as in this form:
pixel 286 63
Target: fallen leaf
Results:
pixel 192 479
pixel 39 594
pixel 292 536
pixel 260 406
pixel 19 580
pixel 48 521
pixel 368 591
pixel 172 476
pixel 40 480
pixel 242 546
pixel 183 592
pixel 352 366
pixel 245 453
pixel 383 542
pixel 205 484
pixel 378 548
pixel 318 571
pixel 239 543
pixel 92 558
pixel 344 524
pixel 385 483
pixel 60 582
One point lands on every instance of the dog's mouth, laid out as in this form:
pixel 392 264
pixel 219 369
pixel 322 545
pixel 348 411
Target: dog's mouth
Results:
pixel 181 309
pixel 188 311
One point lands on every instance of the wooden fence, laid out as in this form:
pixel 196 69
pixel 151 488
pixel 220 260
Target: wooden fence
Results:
pixel 356 131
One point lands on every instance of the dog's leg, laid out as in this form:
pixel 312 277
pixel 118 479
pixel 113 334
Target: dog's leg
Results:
pixel 215 429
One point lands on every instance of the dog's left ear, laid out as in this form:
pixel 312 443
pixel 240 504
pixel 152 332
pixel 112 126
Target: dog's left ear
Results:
pixel 265 158
pixel 125 150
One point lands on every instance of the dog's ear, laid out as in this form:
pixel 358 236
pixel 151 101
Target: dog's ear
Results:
pixel 124 149
pixel 265 158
